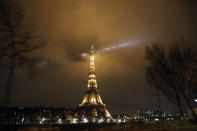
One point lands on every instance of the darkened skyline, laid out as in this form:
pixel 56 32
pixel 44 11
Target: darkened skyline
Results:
pixel 70 26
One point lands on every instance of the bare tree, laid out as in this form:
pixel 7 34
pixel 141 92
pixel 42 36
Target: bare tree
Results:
pixel 17 43
pixel 173 70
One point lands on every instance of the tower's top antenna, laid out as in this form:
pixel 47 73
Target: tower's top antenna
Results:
pixel 92 47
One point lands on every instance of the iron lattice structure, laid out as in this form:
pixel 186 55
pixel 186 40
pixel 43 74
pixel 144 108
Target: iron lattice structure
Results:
pixel 92 105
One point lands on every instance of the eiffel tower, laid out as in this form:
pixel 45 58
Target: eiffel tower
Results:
pixel 92 106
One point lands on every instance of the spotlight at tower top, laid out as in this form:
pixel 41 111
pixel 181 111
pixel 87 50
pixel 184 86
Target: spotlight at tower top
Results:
pixel 123 45
pixel 117 46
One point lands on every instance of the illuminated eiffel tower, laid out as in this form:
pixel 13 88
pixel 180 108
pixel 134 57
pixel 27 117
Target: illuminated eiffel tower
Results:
pixel 92 105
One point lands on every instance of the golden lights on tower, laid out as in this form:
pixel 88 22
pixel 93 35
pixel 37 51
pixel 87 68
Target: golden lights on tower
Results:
pixel 92 75
pixel 92 96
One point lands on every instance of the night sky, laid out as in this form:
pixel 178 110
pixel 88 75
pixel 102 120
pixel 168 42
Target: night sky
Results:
pixel 69 26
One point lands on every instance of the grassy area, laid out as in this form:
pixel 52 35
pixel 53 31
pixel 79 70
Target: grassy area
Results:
pixel 129 126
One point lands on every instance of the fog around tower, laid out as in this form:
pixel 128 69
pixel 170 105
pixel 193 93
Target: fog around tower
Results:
pixel 70 27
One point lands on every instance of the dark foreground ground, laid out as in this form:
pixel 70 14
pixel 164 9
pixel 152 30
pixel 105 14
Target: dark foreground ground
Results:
pixel 129 126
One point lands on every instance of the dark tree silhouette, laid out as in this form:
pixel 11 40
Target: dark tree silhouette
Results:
pixel 172 69
pixel 17 42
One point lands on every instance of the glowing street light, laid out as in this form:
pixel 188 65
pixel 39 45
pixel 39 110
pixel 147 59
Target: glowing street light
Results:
pixel 100 120
pixel 74 121
pixel 85 120
pixel 119 120
pixel 60 121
